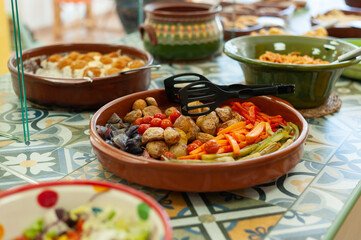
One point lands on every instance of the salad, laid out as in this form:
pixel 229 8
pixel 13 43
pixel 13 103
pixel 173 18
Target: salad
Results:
pixel 86 222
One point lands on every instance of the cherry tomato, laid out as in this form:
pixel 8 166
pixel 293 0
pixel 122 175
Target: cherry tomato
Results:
pixel 138 121
pixel 143 127
pixel 219 129
pixel 168 155
pixel 174 115
pixel 155 122
pixel 147 119
pixel 192 147
pixel 166 123
pixel 211 146
pixel 198 142
pixel 160 116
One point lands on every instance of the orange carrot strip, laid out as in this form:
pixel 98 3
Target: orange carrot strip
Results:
pixel 238 125
pixel 233 144
pixel 255 132
pixel 191 156
pixel 224 149
pixel 223 142
pixel 197 150
pixel 239 137
pixel 219 137
pixel 242 144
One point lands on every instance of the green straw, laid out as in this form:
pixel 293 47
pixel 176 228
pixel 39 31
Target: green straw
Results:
pixel 24 109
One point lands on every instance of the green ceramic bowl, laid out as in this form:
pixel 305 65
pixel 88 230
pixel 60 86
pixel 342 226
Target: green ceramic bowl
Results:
pixel 354 71
pixel 313 83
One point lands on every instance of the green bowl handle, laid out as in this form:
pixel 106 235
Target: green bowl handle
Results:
pixel 150 31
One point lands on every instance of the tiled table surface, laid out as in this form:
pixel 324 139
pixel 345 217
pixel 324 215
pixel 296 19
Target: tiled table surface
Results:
pixel 306 203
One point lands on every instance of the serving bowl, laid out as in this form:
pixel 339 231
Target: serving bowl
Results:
pixel 354 71
pixel 22 206
pixel 78 93
pixel 196 177
pixel 313 83
pixel 342 30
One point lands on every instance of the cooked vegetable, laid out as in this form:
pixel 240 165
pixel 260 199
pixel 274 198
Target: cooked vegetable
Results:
pixel 156 148
pixel 133 115
pixel 151 101
pixel 179 149
pixel 171 136
pixel 139 104
pixel 151 110
pixel 225 114
pixel 86 222
pixel 153 134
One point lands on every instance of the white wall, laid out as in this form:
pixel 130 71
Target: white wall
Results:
pixel 39 13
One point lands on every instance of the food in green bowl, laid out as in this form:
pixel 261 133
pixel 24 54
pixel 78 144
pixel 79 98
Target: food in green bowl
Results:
pixel 313 82
pixel 354 71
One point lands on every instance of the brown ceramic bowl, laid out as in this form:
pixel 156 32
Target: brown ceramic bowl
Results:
pixel 353 3
pixel 194 177
pixel 78 93
pixel 342 31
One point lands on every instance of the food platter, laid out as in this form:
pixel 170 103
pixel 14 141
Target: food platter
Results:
pixel 78 93
pixel 196 177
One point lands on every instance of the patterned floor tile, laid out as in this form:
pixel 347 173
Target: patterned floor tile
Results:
pixel 284 190
pixel 219 202
pixel 196 232
pixel 95 171
pixel 79 120
pixel 11 118
pixel 299 226
pixel 328 192
pixel 348 156
pixel 72 137
pixel 323 142
pixel 41 160
pixel 4 141
pixel 253 228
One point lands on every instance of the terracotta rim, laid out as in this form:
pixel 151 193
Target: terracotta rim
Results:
pixel 77 81
pixel 197 167
pixel 147 199
pixel 159 9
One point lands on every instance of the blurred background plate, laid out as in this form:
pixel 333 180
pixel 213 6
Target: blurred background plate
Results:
pixel 78 93
pixel 354 71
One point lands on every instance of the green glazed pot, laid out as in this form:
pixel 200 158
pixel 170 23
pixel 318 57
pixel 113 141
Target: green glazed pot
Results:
pixel 313 83
pixel 181 31
pixel 354 71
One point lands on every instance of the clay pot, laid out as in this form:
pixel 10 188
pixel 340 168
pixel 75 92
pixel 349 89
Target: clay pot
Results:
pixel 181 31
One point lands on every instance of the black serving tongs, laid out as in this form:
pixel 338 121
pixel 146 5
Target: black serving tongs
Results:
pixel 212 95
pixel 174 83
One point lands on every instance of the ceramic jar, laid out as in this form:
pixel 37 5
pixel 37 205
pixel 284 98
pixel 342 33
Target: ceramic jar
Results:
pixel 181 31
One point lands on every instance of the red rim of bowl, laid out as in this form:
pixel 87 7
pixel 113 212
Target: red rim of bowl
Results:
pixel 147 199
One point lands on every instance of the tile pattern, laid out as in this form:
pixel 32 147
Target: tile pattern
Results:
pixel 299 205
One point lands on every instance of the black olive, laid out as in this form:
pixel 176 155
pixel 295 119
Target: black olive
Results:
pixel 134 145
pixel 132 131
pixel 114 119
pixel 121 141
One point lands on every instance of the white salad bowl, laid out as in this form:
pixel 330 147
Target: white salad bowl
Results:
pixel 22 206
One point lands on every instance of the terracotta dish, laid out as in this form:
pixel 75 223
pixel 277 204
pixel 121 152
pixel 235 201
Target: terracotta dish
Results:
pixel 197 177
pixel 78 93
pixel 353 3
pixel 342 31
